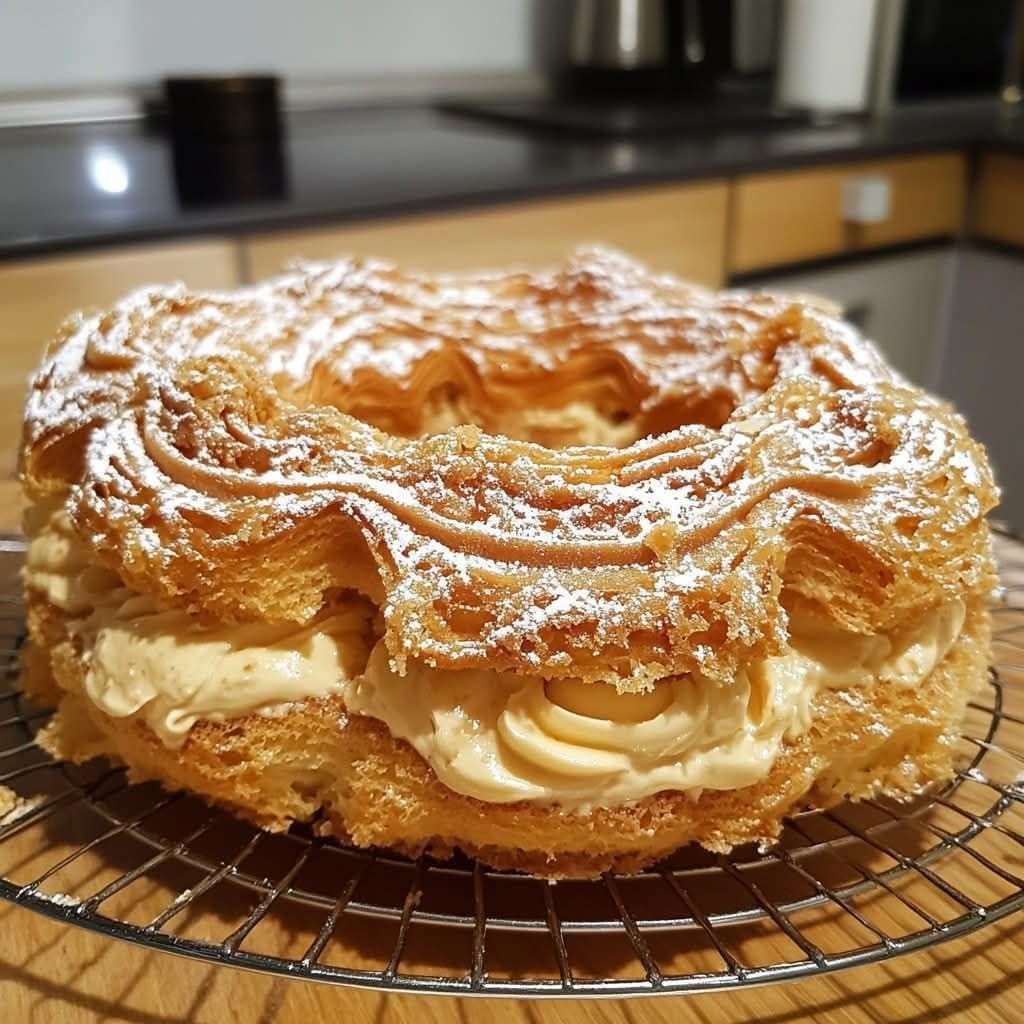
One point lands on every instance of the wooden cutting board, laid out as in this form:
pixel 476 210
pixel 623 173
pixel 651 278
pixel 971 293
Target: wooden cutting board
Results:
pixel 52 972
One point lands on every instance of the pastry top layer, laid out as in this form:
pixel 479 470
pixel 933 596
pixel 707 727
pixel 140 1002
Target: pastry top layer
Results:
pixel 213 462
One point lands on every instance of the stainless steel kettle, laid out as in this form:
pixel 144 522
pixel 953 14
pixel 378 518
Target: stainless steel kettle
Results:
pixel 636 34
pixel 643 45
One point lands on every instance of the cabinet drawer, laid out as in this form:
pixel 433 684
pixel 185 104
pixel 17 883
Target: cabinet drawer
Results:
pixel 792 216
pixel 36 295
pixel 679 228
pixel 999 200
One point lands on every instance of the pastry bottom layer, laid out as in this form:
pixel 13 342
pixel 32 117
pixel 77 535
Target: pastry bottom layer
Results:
pixel 375 790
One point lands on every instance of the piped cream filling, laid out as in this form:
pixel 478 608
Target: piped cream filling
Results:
pixel 494 736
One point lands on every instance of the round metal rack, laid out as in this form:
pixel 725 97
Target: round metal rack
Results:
pixel 855 884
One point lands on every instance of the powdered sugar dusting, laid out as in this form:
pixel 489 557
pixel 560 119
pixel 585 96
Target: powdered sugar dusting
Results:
pixel 217 424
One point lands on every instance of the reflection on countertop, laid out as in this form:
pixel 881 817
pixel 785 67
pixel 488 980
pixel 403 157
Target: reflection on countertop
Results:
pixel 69 186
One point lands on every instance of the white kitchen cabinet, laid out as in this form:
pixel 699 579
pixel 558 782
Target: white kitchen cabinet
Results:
pixel 901 302
pixel 982 369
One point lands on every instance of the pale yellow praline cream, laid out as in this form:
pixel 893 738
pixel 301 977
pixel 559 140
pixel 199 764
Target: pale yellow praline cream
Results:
pixel 502 738
pixel 163 665
pixel 493 736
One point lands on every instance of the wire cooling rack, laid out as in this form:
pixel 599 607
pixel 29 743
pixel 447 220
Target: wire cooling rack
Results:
pixel 852 885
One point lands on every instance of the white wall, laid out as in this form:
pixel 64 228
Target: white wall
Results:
pixel 102 43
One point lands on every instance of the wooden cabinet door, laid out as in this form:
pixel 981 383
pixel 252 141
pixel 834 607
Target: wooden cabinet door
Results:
pixel 998 213
pixel 36 295
pixel 680 228
pixel 788 217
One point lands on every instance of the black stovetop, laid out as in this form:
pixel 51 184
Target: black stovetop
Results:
pixel 626 116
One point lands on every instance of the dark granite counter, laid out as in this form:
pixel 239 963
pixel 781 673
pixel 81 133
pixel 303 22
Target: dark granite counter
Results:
pixel 66 187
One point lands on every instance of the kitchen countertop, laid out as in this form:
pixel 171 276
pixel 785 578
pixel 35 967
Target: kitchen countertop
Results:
pixel 73 186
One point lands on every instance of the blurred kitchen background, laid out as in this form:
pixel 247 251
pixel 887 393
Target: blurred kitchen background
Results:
pixel 871 151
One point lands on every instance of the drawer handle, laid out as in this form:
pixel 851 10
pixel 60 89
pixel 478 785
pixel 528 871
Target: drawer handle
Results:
pixel 867 199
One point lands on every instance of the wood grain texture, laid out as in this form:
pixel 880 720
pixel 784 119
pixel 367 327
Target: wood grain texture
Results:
pixel 998 204
pixel 53 974
pixel 785 217
pixel 36 295
pixel 929 197
pixel 11 504
pixel 50 972
pixel 680 228
pixel 791 216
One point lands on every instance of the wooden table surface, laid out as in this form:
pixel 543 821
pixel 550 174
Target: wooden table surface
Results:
pixel 52 972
